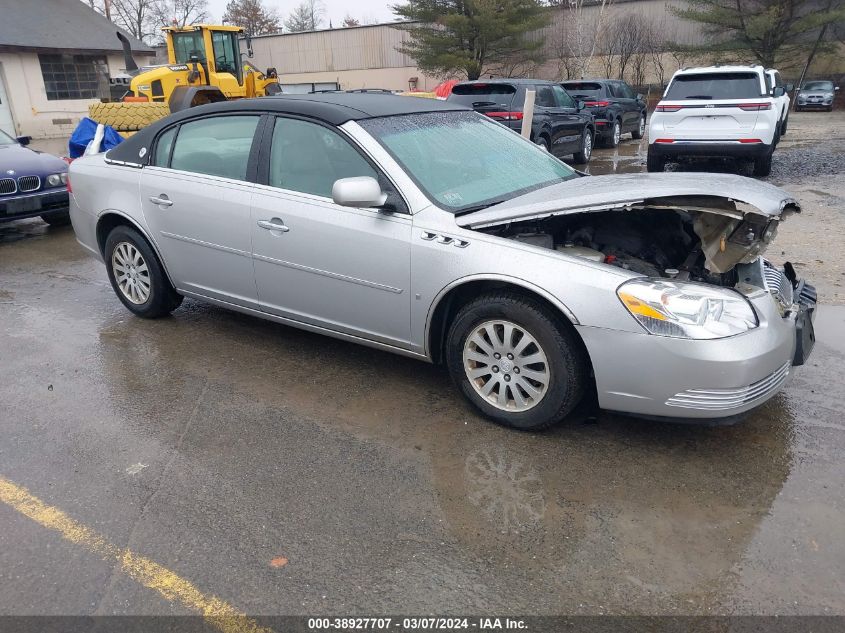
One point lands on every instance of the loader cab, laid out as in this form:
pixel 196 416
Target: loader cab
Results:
pixel 215 48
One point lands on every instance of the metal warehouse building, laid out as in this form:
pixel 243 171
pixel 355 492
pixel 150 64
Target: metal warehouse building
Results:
pixel 366 56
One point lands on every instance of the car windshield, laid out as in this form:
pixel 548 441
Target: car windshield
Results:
pixel 715 86
pixel 484 95
pixel 5 139
pixel 818 85
pixel 463 160
pixel 580 89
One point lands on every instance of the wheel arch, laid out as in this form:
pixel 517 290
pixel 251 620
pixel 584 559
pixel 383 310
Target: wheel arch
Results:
pixel 451 298
pixel 110 220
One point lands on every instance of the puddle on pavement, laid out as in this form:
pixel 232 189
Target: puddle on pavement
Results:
pixel 669 506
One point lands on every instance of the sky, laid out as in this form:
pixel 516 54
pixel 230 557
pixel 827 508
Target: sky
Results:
pixel 366 11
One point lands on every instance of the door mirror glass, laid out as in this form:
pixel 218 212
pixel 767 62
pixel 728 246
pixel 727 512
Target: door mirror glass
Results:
pixel 359 191
pixel 778 91
pixel 580 104
pixel 26 140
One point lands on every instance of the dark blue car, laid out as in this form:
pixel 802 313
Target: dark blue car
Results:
pixel 32 183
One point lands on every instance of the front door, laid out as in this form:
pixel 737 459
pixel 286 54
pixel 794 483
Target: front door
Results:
pixel 196 202
pixel 345 269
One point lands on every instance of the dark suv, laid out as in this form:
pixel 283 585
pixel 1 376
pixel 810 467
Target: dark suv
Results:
pixel 616 108
pixel 560 123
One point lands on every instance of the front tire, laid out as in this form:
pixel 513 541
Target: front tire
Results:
pixel 56 219
pixel 582 157
pixel 640 131
pixel 515 362
pixel 136 275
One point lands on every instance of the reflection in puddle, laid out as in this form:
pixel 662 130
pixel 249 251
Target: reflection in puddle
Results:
pixel 509 493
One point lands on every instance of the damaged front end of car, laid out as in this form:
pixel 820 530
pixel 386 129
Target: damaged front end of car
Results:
pixel 673 229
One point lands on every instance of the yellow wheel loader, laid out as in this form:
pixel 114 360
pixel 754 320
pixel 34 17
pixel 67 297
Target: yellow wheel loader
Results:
pixel 204 66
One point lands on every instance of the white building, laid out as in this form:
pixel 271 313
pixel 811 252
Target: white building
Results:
pixel 56 58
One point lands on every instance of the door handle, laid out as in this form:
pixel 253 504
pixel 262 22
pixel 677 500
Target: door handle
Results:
pixel 270 225
pixel 161 200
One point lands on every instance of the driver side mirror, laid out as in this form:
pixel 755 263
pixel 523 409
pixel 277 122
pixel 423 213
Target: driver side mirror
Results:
pixel 640 97
pixel 360 191
pixel 24 140
pixel 778 91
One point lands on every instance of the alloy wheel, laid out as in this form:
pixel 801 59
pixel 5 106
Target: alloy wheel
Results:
pixel 131 273
pixel 642 125
pixel 506 365
pixel 588 145
pixel 617 133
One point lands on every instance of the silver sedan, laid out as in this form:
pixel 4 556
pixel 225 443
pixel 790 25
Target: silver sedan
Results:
pixel 429 230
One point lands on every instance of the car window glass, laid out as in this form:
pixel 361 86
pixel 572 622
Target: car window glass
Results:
pixel 309 158
pixel 583 89
pixel 627 93
pixel 483 95
pixel 217 146
pixel 188 44
pixel 715 86
pixel 545 98
pixel 563 99
pixel 165 142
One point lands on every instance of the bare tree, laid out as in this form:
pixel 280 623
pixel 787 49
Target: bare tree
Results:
pixel 252 16
pixel 181 12
pixel 577 34
pixel 627 40
pixel 349 21
pixel 307 16
pixel 136 16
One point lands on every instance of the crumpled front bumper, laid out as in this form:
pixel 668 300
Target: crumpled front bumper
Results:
pixel 658 376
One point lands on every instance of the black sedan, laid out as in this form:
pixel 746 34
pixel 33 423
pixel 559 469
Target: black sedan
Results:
pixel 614 104
pixel 560 124
pixel 32 183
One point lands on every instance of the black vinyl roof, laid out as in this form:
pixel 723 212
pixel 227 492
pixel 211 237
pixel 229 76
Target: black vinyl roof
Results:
pixel 332 108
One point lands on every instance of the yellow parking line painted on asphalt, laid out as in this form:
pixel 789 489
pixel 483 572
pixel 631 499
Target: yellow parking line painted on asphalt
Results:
pixel 148 573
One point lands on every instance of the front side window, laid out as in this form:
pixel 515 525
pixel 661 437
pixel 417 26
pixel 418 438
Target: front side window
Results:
pixel 188 44
pixel 216 146
pixel 226 52
pixel 309 158
pixel 74 76
pixel 626 91
pixel 715 86
pixel 463 160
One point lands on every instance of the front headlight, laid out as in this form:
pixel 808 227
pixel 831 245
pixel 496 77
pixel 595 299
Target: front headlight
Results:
pixel 687 310
pixel 63 176
pixel 54 180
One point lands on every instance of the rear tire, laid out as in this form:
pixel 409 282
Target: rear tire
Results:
pixel 523 395
pixel 655 163
pixel 615 134
pixel 763 165
pixel 586 152
pixel 137 276
pixel 57 219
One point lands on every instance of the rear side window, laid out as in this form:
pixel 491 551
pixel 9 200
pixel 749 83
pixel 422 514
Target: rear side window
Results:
pixel 563 99
pixel 484 95
pixel 583 89
pixel 545 97
pixel 216 146
pixel 715 86
pixel 309 158
pixel 165 142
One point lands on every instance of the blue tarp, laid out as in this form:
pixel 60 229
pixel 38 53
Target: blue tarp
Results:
pixel 84 134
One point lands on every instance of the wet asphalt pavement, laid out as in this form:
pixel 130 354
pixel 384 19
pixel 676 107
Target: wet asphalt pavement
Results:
pixel 289 473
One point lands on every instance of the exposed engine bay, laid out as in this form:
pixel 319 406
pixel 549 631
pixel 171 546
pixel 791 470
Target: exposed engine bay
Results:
pixel 659 242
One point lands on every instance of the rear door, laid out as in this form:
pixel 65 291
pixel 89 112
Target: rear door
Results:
pixel 571 122
pixel 629 106
pixel 195 198
pixel 713 106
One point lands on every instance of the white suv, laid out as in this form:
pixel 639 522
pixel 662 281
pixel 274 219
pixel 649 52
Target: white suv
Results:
pixel 716 111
